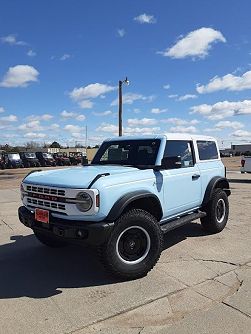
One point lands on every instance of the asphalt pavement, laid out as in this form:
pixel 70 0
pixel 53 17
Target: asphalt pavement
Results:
pixel 201 283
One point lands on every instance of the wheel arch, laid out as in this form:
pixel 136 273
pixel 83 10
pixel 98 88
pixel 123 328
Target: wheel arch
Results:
pixel 144 200
pixel 216 182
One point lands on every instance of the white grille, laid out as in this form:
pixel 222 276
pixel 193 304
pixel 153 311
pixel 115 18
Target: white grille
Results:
pixel 45 190
pixel 45 204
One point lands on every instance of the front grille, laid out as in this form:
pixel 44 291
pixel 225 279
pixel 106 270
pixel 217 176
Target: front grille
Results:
pixel 46 190
pixel 45 204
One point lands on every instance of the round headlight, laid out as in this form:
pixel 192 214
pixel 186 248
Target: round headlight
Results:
pixel 84 201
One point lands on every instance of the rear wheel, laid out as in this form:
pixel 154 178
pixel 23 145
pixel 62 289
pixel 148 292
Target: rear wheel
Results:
pixel 49 240
pixel 217 211
pixel 134 245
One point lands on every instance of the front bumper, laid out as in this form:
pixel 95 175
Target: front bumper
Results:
pixel 72 231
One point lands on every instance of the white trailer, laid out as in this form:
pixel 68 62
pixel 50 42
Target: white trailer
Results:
pixel 246 164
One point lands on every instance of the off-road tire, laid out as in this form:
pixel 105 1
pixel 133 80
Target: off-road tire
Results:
pixel 211 223
pixel 143 224
pixel 49 240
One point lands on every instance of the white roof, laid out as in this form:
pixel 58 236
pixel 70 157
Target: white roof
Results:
pixel 173 136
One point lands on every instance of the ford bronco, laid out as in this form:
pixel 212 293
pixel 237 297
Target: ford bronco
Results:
pixel 134 191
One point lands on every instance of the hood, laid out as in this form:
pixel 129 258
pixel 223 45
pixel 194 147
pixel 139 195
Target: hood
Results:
pixel 75 177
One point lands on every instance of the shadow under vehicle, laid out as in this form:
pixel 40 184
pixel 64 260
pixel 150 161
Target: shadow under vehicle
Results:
pixel 45 159
pixel 61 159
pixel 29 159
pixel 11 160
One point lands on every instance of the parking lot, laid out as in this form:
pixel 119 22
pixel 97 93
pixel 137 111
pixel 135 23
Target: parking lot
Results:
pixel 201 283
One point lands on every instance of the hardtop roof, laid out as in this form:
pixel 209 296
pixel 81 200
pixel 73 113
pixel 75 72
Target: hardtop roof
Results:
pixel 167 136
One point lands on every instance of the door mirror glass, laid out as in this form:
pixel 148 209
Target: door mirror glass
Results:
pixel 171 162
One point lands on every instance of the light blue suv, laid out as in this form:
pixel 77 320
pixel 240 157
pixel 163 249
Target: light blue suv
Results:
pixel 135 190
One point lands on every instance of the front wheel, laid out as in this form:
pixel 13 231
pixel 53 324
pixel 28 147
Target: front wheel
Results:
pixel 49 240
pixel 134 245
pixel 217 211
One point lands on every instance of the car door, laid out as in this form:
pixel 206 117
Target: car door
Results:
pixel 182 186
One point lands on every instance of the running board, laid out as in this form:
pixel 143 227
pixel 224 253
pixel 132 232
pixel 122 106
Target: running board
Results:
pixel 177 222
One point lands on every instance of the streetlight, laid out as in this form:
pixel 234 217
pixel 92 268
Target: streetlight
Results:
pixel 126 81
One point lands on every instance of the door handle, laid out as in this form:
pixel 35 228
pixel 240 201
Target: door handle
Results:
pixel 195 176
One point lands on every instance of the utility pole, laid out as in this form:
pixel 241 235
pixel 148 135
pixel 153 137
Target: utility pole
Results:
pixel 120 103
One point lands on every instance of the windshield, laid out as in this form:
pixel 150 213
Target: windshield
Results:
pixel 14 156
pixel 128 152
pixel 30 155
pixel 47 156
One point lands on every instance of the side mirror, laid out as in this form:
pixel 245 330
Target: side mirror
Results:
pixel 171 162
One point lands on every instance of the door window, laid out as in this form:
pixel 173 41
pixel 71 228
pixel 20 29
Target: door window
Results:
pixel 181 148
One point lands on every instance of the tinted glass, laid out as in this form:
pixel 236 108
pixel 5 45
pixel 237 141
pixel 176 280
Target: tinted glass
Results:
pixel 207 150
pixel 181 148
pixel 128 152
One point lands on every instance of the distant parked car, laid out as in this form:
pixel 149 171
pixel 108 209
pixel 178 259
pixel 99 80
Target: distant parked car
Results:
pixel 29 159
pixel 13 160
pixel 75 157
pixel 2 160
pixel 45 159
pixel 62 159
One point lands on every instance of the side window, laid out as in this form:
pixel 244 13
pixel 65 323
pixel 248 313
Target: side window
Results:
pixel 182 148
pixel 207 150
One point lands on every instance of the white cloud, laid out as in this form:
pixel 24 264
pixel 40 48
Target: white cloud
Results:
pixel 2 109
pixel 54 126
pixel 141 122
pixel 31 53
pixel 44 117
pixel 144 18
pixel 34 135
pixel 70 114
pixel 227 82
pixel 197 43
pixel 130 131
pixel 166 86
pixel 186 97
pixel 172 96
pixel 127 131
pixel 106 127
pixel 8 119
pixel 179 121
pixel 90 91
pixel 241 134
pixel 82 95
pixel 12 40
pixel 130 98
pixel 158 111
pixel 223 109
pixel 65 56
pixel 73 128
pixel 19 76
pixel 121 32
pixel 228 124
pixel 80 117
pixel 85 104
pixel 183 129
pixel 67 114
pixel 104 113
pixel 32 125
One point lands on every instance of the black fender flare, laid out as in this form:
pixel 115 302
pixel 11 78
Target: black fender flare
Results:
pixel 216 182
pixel 127 199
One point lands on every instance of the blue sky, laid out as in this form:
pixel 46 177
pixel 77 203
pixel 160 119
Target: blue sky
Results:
pixel 188 62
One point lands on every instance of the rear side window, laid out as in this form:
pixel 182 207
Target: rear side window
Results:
pixel 182 148
pixel 207 150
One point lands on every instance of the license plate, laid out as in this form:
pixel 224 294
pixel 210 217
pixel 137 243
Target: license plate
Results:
pixel 42 216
